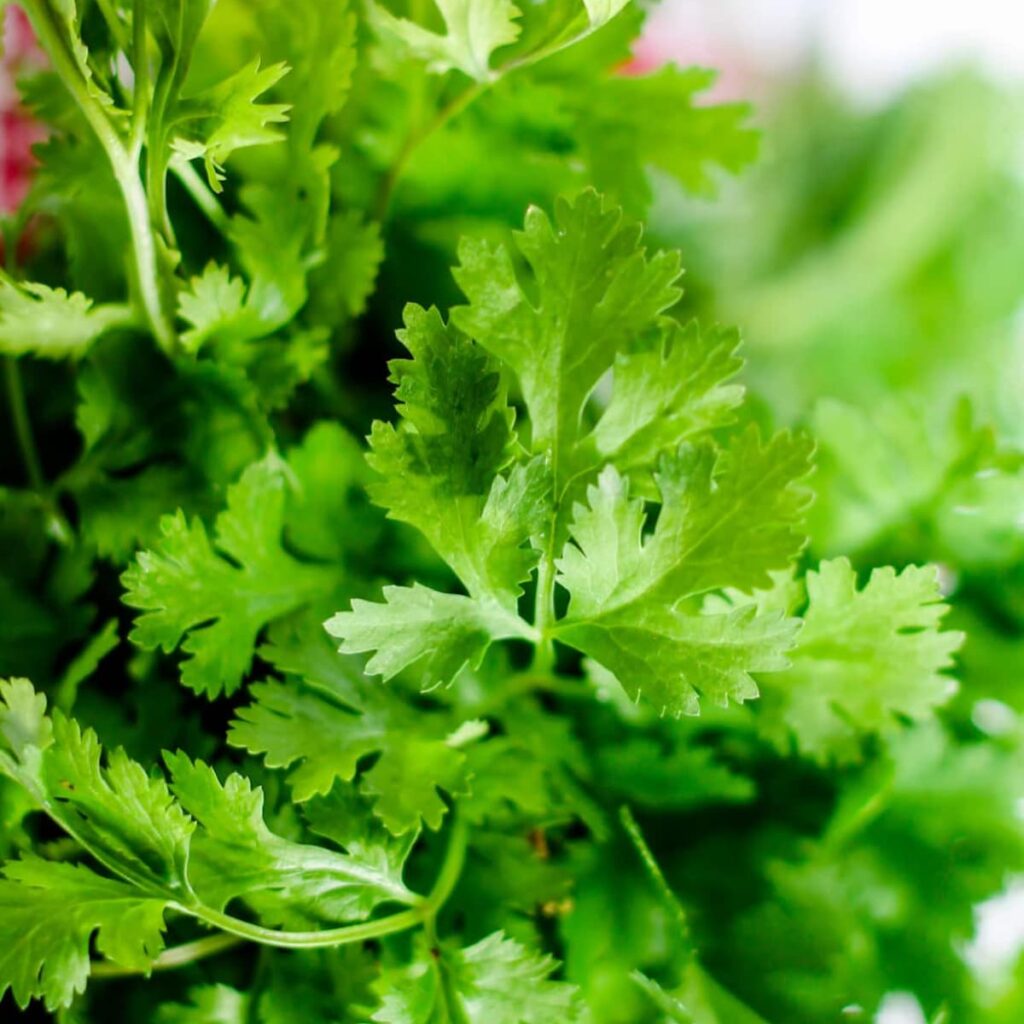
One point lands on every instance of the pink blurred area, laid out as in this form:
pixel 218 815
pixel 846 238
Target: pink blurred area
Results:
pixel 18 130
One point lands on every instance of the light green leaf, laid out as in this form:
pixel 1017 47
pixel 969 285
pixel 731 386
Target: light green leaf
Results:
pixel 725 521
pixel 496 980
pixel 592 294
pixel 474 29
pixel 50 915
pixel 436 634
pixel 630 124
pixel 227 117
pixel 50 323
pixel 327 717
pixel 235 855
pixel 864 657
pixel 663 393
pixel 213 305
pixel 218 595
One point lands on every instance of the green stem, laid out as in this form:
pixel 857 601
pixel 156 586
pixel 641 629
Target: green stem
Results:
pixel 140 65
pixel 425 910
pixel 22 425
pixel 125 169
pixel 176 956
pixel 201 195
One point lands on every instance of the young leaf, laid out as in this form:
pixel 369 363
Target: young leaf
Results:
pixel 628 124
pixel 227 117
pixel 592 294
pixel 416 627
pixel 496 980
pixel 219 595
pixel 863 657
pixel 127 820
pixel 664 393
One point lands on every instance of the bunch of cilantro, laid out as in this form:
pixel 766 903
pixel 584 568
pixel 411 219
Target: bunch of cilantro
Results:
pixel 522 680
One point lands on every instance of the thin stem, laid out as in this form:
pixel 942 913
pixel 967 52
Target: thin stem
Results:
pixel 140 65
pixel 22 424
pixel 176 956
pixel 424 910
pixel 201 195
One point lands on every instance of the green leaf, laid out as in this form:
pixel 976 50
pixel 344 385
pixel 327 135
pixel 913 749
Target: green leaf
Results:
pixel 227 117
pixel 592 293
pixel 864 658
pixel 664 393
pixel 213 305
pixel 50 323
pixel 434 634
pixel 440 468
pixel 50 915
pixel 327 717
pixel 496 980
pixel 474 29
pixel 218 595
pixel 725 521
pixel 128 820
pixel 234 855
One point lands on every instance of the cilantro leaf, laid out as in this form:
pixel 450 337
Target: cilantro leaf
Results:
pixel 435 634
pixel 593 292
pixel 496 979
pixel 327 717
pixel 474 29
pixel 219 595
pixel 863 657
pixel 440 468
pixel 52 324
pixel 725 521
pixel 664 393
pixel 234 855
pixel 128 820
pixel 226 117
pixel 49 914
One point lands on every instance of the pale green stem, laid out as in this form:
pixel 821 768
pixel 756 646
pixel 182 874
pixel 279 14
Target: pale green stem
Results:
pixel 22 425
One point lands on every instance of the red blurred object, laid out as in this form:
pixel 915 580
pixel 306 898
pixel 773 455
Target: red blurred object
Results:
pixel 19 131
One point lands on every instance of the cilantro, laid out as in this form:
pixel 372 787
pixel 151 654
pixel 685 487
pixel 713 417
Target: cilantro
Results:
pixel 543 676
